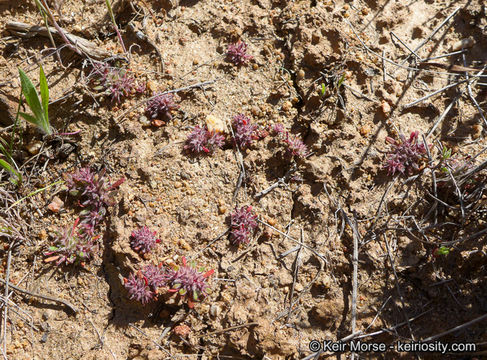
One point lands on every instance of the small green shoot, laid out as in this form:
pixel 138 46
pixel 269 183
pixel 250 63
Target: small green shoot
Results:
pixel 441 251
pixel 323 89
pixel 112 17
pixel 9 164
pixel 38 108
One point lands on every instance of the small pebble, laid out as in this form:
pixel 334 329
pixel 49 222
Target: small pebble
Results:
pixel 301 74
pixel 55 205
pixel 287 106
pixel 214 310
pixel 222 210
pixel 34 147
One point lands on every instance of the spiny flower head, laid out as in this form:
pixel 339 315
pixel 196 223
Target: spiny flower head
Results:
pixel 74 245
pixel 188 282
pixel 245 132
pixel 116 81
pixel 94 193
pixel 405 154
pixel 237 53
pixel 138 288
pixel 156 276
pixel 243 224
pixel 295 146
pixel 160 107
pixel 143 240
pixel 201 140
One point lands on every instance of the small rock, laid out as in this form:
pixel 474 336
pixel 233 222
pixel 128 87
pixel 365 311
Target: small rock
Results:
pixel 144 121
pixel 214 123
pixel 301 74
pixel 34 147
pixel 55 205
pixel 463 44
pixel 287 106
pixel 365 130
pixel 44 337
pixel 222 210
pixel 182 330
pixel 385 107
pixel 214 310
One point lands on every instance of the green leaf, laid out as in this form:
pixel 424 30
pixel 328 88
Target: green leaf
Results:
pixel 32 99
pixel 323 89
pixel 443 250
pixel 29 118
pixel 340 82
pixel 12 171
pixel 44 93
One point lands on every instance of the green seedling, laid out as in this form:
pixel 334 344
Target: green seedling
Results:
pixel 38 107
pixel 9 164
pixel 112 17
pixel 323 89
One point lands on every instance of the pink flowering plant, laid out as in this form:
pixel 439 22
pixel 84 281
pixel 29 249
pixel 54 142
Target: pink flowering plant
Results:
pixel 160 107
pixel 244 131
pixel 143 240
pixel 243 223
pixel 94 193
pixel 203 141
pixel 295 147
pixel 405 155
pixel 188 282
pixel 185 280
pixel 237 53
pixel 75 245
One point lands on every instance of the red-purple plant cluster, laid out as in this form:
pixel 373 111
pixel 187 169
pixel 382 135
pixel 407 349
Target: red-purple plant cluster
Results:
pixel 138 288
pixel 74 245
pixel 94 193
pixel 237 53
pixel 143 240
pixel 244 131
pixel 188 282
pixel 160 107
pixel 77 244
pixel 242 225
pixel 185 280
pixel 201 140
pixel 405 155
pixel 117 82
pixel 294 146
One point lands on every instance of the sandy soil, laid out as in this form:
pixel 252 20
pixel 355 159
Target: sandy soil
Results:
pixel 294 282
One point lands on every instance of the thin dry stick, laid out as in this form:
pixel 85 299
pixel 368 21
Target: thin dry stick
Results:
pixel 5 310
pixel 401 297
pixel 296 265
pixel 150 339
pixel 433 94
pixel 279 182
pixel 295 241
pixel 355 276
pixel 442 116
pixel 393 328
pixel 433 33
pixel 394 63
pixel 444 55
pixel 407 47
pixel 87 47
pixel 456 328
pixel 231 328
pixel 40 296
pixel 469 89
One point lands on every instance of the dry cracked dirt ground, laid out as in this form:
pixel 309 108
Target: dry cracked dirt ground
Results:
pixel 342 250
